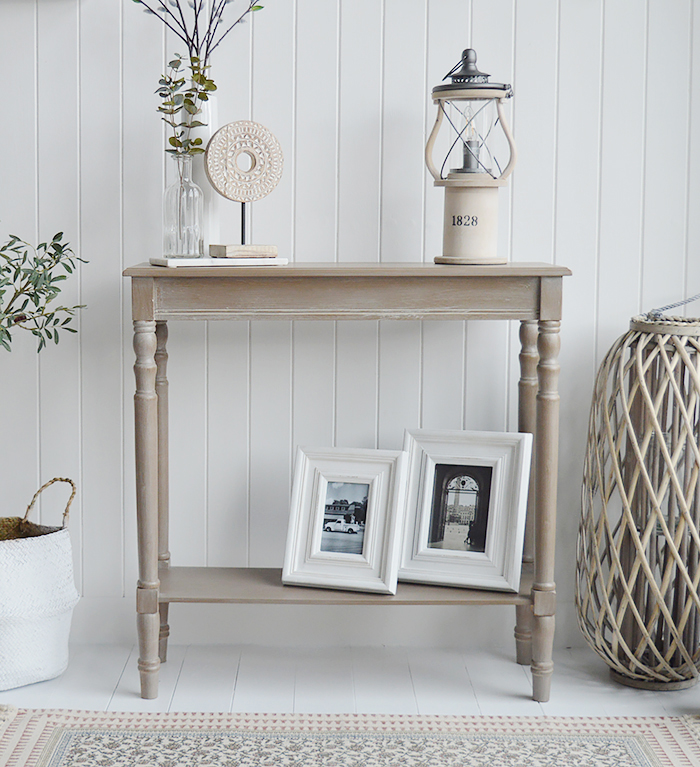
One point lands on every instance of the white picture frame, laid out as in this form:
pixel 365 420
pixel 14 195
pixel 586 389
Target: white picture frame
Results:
pixel 466 506
pixel 321 551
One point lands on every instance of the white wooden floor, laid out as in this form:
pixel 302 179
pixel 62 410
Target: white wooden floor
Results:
pixel 361 680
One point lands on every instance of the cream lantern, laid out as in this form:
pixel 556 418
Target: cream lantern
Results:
pixel 470 171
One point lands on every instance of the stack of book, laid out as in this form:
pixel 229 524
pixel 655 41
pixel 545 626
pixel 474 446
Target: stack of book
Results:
pixel 227 255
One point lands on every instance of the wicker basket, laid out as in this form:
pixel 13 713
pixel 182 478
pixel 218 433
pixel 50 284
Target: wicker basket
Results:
pixel 638 547
pixel 37 597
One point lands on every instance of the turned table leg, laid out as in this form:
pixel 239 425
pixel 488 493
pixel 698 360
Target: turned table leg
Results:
pixel 146 422
pixel 546 452
pixel 161 358
pixel 527 422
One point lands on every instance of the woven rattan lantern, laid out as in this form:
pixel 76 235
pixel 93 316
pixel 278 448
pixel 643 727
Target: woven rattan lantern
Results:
pixel 638 563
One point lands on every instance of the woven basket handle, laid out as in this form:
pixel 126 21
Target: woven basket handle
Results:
pixel 48 484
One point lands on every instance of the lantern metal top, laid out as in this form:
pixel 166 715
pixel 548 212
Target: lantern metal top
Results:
pixel 469 82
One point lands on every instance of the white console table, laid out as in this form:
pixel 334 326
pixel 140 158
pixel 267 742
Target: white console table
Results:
pixel 528 292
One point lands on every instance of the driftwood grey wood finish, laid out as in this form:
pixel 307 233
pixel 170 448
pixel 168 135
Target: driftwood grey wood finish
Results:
pixel 528 292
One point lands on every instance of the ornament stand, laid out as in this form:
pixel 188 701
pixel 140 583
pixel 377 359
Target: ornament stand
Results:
pixel 243 162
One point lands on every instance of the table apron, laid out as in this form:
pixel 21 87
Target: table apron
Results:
pixel 333 298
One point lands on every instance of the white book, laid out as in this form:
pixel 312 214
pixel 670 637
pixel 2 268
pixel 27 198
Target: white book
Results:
pixel 208 261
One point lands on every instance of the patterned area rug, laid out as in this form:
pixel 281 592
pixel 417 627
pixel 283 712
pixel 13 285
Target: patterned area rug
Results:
pixel 89 739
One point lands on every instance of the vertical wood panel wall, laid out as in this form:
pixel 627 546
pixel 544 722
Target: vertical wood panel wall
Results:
pixel 606 120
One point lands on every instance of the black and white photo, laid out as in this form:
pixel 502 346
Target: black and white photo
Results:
pixel 460 507
pixel 466 504
pixel 346 519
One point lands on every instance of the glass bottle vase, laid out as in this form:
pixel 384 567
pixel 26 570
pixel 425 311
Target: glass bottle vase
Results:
pixel 183 213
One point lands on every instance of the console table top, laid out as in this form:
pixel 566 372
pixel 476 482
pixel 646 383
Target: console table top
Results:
pixel 368 269
pixel 333 291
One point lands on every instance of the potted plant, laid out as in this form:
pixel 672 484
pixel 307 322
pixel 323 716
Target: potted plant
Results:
pixel 37 590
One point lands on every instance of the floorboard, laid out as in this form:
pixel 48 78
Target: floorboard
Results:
pixel 126 692
pixel 324 681
pixel 383 683
pixel 265 681
pixel 441 682
pixel 385 680
pixel 207 679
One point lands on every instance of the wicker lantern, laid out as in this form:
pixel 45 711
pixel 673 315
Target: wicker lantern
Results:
pixel 638 548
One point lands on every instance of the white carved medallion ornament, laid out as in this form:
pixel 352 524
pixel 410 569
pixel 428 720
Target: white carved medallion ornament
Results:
pixel 243 161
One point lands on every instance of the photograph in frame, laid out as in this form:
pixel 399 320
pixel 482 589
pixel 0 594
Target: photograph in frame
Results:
pixel 466 506
pixel 346 519
pixel 460 509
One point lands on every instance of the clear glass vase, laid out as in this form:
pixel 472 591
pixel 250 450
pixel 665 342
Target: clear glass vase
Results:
pixel 183 213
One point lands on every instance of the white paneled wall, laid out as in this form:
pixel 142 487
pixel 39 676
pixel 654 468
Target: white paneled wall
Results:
pixel 606 116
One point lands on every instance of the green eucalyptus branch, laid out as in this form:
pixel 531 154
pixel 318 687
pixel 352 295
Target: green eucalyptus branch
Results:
pixel 29 281
pixel 182 94
pixel 182 103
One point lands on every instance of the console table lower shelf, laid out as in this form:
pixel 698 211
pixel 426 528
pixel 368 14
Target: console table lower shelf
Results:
pixel 239 585
pixel 250 585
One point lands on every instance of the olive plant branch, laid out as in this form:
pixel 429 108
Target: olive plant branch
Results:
pixel 34 287
pixel 36 278
pixel 22 320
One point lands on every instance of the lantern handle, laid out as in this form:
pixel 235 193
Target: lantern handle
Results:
pixel 509 137
pixel 655 314
pixel 431 143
